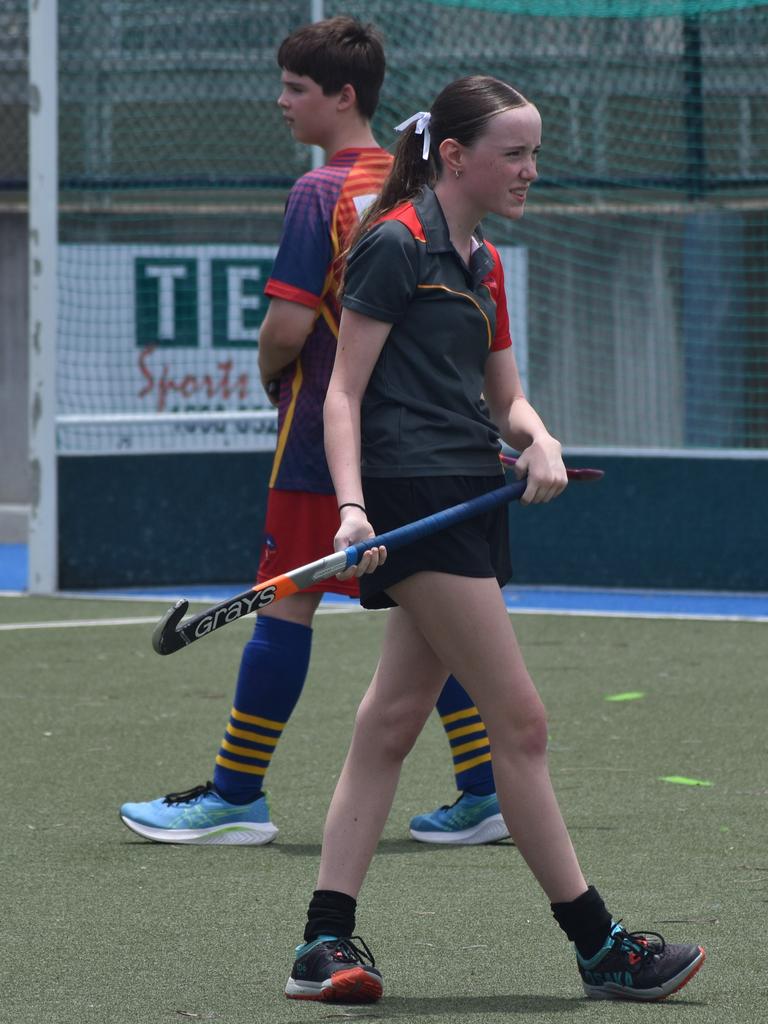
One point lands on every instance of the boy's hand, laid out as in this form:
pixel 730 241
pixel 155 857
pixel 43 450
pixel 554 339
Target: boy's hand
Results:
pixel 272 389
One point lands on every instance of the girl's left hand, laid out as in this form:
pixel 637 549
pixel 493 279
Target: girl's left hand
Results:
pixel 354 528
pixel 542 463
pixel 369 562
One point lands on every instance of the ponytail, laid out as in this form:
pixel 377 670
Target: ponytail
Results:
pixel 409 173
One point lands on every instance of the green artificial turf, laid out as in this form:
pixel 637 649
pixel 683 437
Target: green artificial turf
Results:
pixel 98 925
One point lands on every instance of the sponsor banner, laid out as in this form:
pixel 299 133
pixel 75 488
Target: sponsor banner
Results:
pixel 147 332
pixel 151 336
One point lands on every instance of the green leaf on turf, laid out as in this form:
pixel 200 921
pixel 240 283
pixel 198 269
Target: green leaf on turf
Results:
pixel 681 780
pixel 631 695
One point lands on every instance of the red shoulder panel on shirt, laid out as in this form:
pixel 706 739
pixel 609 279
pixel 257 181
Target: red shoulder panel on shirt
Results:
pixel 280 290
pixel 495 284
pixel 406 214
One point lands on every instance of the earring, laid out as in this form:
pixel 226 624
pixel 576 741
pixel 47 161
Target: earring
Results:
pixel 457 173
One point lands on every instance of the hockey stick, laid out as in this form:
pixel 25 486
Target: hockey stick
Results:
pixel 169 636
pixel 573 474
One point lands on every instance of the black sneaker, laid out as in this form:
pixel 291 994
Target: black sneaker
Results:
pixel 335 971
pixel 638 965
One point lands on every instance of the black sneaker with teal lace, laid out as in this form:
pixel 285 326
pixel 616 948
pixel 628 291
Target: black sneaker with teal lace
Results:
pixel 335 971
pixel 638 965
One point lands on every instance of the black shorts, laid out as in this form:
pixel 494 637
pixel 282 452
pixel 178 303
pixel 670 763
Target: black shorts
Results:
pixel 478 547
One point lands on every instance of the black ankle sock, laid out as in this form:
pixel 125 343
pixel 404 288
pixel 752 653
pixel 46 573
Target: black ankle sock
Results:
pixel 585 921
pixel 330 913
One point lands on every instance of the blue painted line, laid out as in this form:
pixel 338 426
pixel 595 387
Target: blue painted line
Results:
pixel 522 600
pixel 14 567
pixel 525 601
pixel 638 603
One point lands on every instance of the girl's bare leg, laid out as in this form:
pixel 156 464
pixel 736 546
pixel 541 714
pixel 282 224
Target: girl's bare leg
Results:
pixel 466 625
pixel 405 686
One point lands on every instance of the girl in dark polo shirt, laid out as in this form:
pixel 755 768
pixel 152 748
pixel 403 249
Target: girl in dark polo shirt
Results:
pixel 424 387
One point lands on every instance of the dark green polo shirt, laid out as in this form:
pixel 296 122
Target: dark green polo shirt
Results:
pixel 423 413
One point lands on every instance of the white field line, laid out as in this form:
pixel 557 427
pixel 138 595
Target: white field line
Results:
pixel 345 610
pixel 138 621
pixel 76 624
pixel 595 613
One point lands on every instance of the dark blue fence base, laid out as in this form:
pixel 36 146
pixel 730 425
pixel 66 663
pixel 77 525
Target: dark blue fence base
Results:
pixel 152 520
pixel 678 523
pixel 661 523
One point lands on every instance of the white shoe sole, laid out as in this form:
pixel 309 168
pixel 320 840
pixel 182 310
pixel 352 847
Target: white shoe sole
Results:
pixel 491 830
pixel 242 833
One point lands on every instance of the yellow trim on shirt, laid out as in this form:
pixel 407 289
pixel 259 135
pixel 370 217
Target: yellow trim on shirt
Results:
pixel 330 320
pixel 463 295
pixel 282 439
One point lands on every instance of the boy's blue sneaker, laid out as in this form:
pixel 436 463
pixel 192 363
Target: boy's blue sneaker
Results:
pixel 638 965
pixel 200 816
pixel 471 819
pixel 334 970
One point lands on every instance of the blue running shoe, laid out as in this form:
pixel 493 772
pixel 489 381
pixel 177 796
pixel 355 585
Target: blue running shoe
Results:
pixel 471 819
pixel 334 970
pixel 638 965
pixel 202 817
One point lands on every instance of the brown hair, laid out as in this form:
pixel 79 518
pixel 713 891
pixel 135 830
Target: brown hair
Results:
pixel 461 112
pixel 337 52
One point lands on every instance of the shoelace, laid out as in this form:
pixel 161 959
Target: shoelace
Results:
pixel 459 798
pixel 188 795
pixel 346 951
pixel 637 946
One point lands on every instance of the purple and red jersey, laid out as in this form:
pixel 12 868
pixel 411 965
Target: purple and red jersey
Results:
pixel 323 209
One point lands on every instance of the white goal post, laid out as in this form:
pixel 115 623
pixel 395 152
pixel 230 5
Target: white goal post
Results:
pixel 43 301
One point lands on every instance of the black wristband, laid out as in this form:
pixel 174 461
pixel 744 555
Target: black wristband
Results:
pixel 352 504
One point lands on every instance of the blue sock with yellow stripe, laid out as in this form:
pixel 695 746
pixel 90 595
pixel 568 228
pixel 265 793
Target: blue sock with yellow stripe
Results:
pixel 470 747
pixel 273 669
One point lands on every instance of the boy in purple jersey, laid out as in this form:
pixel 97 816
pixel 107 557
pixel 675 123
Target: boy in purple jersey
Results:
pixel 331 75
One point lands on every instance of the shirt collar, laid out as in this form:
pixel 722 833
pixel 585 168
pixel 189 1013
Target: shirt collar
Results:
pixel 432 219
pixel 342 156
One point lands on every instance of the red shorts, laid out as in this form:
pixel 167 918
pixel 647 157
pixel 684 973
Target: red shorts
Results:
pixel 300 528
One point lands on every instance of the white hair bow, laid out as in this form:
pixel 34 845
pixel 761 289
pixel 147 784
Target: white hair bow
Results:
pixel 422 119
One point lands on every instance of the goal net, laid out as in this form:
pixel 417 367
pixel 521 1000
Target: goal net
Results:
pixel 641 283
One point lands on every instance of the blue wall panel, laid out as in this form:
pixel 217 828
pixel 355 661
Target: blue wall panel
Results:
pixel 668 523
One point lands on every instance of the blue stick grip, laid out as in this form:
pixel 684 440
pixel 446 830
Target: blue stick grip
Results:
pixel 411 532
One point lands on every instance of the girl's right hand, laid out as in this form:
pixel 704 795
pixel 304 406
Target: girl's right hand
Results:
pixel 355 528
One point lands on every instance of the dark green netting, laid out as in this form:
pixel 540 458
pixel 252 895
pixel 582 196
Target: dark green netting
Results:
pixel 601 8
pixel 641 293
